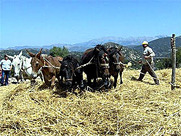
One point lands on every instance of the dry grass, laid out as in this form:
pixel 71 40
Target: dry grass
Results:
pixel 134 108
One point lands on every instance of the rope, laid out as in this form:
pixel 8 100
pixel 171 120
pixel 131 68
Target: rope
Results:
pixel 105 65
pixel 119 63
pixel 25 68
pixel 84 65
pixel 40 70
pixel 50 64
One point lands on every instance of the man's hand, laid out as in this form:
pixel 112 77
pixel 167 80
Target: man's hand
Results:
pixel 147 57
pixel 140 61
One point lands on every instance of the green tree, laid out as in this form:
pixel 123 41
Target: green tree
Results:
pixel 57 51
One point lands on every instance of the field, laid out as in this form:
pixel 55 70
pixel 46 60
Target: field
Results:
pixel 134 108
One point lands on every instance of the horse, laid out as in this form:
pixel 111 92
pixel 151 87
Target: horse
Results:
pixel 70 71
pixel 116 63
pixel 47 66
pixel 21 66
pixel 96 64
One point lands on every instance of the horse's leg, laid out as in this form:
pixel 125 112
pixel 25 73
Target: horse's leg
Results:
pixel 61 80
pixel 121 71
pixel 88 80
pixel 58 77
pixel 53 81
pixel 20 77
pixel 81 83
pixel 115 80
pixel 95 81
pixel 32 81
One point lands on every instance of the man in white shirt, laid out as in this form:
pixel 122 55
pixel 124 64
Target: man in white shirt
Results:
pixel 148 64
pixel 6 67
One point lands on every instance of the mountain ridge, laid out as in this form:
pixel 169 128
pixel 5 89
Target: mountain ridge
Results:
pixel 85 45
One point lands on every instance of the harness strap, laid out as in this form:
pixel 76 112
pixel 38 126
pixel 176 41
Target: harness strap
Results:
pixel 25 68
pixel 119 63
pixel 40 72
pixel 84 65
pixel 50 64
pixel 105 65
pixel 69 79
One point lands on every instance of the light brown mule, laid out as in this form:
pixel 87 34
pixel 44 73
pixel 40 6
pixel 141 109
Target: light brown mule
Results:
pixel 48 66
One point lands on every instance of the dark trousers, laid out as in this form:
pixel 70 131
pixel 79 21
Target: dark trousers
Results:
pixel 148 68
pixel 7 73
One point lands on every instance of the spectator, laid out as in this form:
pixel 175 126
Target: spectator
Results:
pixel 6 67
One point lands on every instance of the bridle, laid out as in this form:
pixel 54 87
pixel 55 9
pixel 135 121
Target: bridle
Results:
pixel 103 65
pixel 22 67
pixel 45 66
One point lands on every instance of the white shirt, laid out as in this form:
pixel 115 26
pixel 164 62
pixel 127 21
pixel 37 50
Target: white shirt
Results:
pixel 148 52
pixel 5 65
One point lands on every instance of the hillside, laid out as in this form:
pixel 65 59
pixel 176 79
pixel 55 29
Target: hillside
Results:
pixel 160 46
pixel 129 54
pixel 134 108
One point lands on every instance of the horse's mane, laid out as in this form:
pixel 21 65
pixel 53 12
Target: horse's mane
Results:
pixel 71 60
pixel 112 51
pixel 101 48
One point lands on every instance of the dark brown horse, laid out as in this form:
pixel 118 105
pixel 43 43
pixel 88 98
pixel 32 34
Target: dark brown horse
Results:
pixel 96 63
pixel 116 63
pixel 71 73
pixel 48 66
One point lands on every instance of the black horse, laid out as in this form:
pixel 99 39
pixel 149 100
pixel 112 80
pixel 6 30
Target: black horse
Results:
pixel 71 73
pixel 96 63
pixel 116 63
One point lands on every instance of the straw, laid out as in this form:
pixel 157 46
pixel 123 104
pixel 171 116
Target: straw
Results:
pixel 133 108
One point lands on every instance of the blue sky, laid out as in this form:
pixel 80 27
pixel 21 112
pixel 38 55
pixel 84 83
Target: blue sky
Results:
pixel 45 22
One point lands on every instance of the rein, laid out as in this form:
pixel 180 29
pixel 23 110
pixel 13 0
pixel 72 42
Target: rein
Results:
pixel 23 69
pixel 50 64
pixel 119 63
pixel 86 64
pixel 44 66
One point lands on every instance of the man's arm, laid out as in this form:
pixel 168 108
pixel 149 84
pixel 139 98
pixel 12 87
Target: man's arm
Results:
pixel 152 54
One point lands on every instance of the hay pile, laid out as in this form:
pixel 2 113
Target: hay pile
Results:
pixel 134 108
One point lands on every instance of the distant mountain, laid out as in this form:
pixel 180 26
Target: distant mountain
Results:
pixel 85 45
pixel 122 41
pixel 160 46
pixel 36 47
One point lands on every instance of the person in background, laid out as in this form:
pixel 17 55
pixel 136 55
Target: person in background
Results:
pixel 148 64
pixel 6 67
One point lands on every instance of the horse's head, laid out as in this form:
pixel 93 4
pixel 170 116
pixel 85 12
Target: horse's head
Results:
pixel 37 63
pixel 17 64
pixel 103 63
pixel 115 56
pixel 27 65
pixel 102 58
pixel 67 70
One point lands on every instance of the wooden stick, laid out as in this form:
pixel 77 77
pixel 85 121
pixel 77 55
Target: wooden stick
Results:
pixel 173 62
